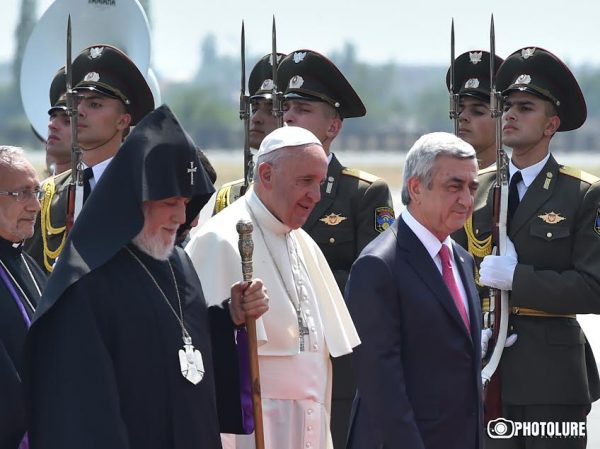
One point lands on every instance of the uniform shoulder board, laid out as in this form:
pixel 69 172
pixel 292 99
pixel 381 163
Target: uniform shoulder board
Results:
pixel 56 179
pixel 362 175
pixel 224 195
pixel 491 168
pixel 578 174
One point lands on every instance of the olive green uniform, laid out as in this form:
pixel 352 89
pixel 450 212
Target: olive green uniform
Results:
pixel 556 233
pixel 50 231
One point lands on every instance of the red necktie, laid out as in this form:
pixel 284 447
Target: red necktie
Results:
pixel 448 276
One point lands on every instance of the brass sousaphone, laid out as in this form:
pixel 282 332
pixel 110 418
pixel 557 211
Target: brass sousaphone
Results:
pixel 120 23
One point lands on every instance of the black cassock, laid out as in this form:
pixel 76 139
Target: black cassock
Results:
pixel 103 365
pixel 13 330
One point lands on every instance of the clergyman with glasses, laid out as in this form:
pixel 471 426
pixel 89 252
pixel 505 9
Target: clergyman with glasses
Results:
pixel 21 284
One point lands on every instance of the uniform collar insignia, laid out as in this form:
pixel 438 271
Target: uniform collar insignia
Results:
pixel 523 79
pixel 96 52
pixel 296 82
pixel 267 84
pixel 472 83
pixel 92 76
pixel 552 217
pixel 299 56
pixel 597 222
pixel 332 219
pixel 527 52
pixel 475 57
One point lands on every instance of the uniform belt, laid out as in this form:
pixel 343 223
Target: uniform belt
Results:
pixel 532 312
pixel 485 305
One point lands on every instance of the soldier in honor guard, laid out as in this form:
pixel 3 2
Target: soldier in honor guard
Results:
pixel 355 206
pixel 472 84
pixel 58 142
pixel 113 95
pixel 552 263
pixel 262 122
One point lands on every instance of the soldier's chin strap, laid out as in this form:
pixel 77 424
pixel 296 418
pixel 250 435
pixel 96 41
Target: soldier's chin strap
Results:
pixel 102 144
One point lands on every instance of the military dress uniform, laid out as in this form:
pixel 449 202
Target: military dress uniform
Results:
pixel 549 373
pixel 109 72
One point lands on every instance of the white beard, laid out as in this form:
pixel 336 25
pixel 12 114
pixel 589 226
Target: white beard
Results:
pixel 154 246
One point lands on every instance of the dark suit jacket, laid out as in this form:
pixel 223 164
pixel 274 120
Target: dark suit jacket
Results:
pixel 418 369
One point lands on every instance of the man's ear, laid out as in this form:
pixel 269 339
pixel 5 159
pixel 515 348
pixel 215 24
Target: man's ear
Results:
pixel 335 126
pixel 415 189
pixel 265 174
pixel 124 121
pixel 552 125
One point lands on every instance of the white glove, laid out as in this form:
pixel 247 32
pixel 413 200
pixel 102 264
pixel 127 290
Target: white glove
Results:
pixel 486 334
pixel 498 271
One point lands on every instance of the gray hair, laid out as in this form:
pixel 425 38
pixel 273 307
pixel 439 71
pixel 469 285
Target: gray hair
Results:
pixel 420 160
pixel 10 156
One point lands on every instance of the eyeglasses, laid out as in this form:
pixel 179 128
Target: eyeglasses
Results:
pixel 25 194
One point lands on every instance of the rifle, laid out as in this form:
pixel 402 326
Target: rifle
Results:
pixel 497 318
pixel 277 109
pixel 245 116
pixel 75 192
pixel 454 98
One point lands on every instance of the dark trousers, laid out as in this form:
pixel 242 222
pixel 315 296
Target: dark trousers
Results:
pixel 542 413
pixel 343 390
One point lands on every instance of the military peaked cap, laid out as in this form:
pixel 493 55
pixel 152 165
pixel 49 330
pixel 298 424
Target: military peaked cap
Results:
pixel 539 72
pixel 58 89
pixel 260 83
pixel 472 74
pixel 309 75
pixel 110 72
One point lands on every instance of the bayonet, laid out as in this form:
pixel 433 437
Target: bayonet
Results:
pixel 245 115
pixel 277 109
pixel 453 95
pixel 497 317
pixel 75 197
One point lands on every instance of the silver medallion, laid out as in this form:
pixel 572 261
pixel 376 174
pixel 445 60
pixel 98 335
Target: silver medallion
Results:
pixel 190 362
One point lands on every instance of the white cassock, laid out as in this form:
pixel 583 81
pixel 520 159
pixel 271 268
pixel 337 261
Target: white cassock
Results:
pixel 295 385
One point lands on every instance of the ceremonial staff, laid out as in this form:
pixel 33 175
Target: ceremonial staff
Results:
pixel 246 248
pixel 277 108
pixel 497 317
pixel 245 116
pixel 75 195
pixel 453 96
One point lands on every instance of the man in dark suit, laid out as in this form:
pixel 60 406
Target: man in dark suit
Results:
pixel 413 300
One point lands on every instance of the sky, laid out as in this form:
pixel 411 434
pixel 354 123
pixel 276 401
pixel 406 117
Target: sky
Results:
pixel 416 32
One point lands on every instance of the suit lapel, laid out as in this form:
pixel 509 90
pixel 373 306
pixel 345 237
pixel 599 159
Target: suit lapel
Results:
pixel 425 267
pixel 328 192
pixel 466 276
pixel 537 194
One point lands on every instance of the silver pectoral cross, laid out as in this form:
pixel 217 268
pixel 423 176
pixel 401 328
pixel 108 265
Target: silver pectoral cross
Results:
pixel 191 171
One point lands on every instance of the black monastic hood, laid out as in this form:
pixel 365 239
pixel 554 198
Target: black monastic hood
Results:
pixel 157 160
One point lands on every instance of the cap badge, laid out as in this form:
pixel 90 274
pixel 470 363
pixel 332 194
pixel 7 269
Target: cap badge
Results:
pixel 552 217
pixel 92 76
pixel 299 56
pixel 475 57
pixel 472 83
pixel 523 79
pixel 296 82
pixel 332 219
pixel 267 84
pixel 271 59
pixel 96 52
pixel 191 171
pixel 527 52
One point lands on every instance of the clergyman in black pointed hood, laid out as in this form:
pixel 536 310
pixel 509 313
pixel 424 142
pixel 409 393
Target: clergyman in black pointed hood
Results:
pixel 119 354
